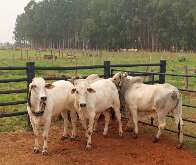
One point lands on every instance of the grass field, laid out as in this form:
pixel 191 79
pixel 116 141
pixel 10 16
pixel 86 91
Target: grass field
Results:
pixel 175 64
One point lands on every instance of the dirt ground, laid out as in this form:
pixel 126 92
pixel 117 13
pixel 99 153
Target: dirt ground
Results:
pixel 17 149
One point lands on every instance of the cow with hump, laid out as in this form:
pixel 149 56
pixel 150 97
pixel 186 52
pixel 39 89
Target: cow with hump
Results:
pixel 46 101
pixel 107 115
pixel 160 98
pixel 94 98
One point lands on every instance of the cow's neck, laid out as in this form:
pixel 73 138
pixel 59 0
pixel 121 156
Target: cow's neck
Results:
pixel 124 87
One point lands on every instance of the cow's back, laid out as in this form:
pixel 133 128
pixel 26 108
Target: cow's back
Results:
pixel 141 96
pixel 60 97
pixel 164 96
pixel 105 96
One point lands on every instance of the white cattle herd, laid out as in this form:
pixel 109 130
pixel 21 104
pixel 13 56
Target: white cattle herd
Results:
pixel 87 98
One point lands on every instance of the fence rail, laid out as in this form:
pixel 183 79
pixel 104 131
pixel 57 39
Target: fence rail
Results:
pixel 108 70
pixel 134 65
pixel 13 103
pixel 184 119
pixel 13 91
pixel 70 67
pixel 11 114
pixel 154 73
pixel 170 130
pixel 13 80
pixel 12 68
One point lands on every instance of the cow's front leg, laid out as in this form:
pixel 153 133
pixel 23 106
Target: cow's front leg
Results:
pixel 129 123
pixel 96 122
pixel 82 120
pixel 107 121
pixel 73 122
pixel 45 137
pixel 89 132
pixel 36 145
pixel 36 134
pixel 135 121
pixel 66 122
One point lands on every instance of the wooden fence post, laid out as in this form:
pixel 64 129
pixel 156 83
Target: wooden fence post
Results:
pixel 186 80
pixel 107 72
pixel 30 71
pixel 162 71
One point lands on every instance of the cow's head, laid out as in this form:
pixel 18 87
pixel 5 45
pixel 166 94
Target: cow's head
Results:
pixel 38 94
pixel 81 90
pixel 117 78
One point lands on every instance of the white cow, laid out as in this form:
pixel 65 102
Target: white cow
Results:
pixel 161 98
pixel 91 79
pixel 91 99
pixel 132 50
pixel 46 101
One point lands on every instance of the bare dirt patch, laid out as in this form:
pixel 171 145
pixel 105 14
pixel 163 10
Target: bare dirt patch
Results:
pixel 17 149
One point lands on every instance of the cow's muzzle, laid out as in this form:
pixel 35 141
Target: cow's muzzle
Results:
pixel 38 114
pixel 82 105
pixel 43 98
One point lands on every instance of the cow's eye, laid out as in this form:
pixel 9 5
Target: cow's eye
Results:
pixel 77 92
pixel 33 86
pixel 115 79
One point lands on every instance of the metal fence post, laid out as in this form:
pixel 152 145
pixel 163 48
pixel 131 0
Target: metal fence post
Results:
pixel 186 79
pixel 30 71
pixel 107 72
pixel 162 71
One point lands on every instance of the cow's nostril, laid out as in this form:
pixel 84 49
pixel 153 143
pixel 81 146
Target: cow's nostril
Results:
pixel 44 98
pixel 83 105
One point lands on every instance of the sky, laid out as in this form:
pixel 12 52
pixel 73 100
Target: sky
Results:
pixel 9 9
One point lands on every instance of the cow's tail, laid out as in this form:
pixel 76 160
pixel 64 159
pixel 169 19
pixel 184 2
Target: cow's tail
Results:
pixel 178 115
pixel 176 97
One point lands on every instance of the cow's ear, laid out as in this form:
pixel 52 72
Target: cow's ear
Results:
pixel 32 86
pixel 73 90
pixel 91 90
pixel 49 86
pixel 125 74
pixel 71 80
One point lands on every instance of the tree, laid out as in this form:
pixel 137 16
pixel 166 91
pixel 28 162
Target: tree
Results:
pixel 143 24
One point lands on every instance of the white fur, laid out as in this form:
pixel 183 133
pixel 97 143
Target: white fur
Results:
pixel 91 79
pixel 160 98
pixel 102 96
pixel 59 101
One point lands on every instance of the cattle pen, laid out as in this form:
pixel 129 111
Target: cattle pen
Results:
pixel 108 70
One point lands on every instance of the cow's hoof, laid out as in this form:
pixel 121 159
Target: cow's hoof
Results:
pixel 128 129
pixel 135 136
pixel 95 130
pixel 156 140
pixel 64 138
pixel 179 146
pixel 105 134
pixel 45 152
pixel 88 147
pixel 36 150
pixel 121 133
pixel 75 138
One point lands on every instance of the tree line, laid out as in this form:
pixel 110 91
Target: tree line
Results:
pixel 108 24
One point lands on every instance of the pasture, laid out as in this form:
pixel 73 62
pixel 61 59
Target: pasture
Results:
pixel 175 64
